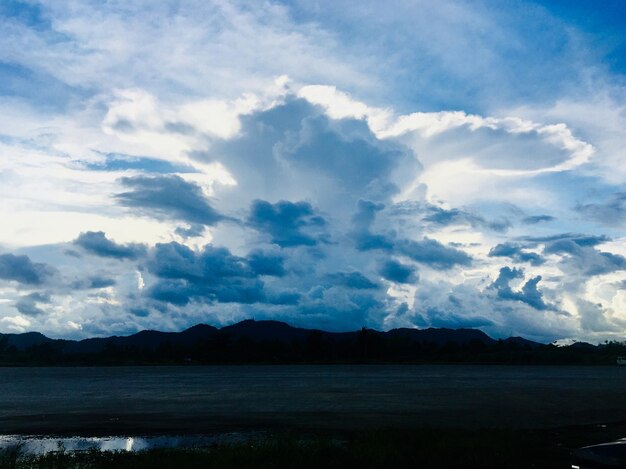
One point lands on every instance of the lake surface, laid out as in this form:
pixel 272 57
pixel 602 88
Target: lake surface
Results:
pixel 100 401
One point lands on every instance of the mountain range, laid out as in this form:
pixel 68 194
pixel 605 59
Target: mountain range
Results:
pixel 253 341
pixel 261 331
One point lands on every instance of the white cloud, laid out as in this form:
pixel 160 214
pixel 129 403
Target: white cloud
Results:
pixel 16 323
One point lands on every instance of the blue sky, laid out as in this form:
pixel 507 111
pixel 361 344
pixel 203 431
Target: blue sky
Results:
pixel 329 164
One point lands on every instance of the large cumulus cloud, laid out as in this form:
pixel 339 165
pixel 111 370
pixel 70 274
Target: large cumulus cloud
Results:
pixel 322 223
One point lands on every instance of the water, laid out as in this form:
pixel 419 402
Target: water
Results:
pixel 210 400
pixel 36 445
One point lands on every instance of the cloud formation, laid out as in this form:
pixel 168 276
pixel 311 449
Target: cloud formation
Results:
pixel 311 165
pixel 168 197
pixel 22 270
pixel 96 242
pixel 288 224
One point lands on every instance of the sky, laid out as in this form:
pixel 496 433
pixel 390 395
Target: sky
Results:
pixel 329 164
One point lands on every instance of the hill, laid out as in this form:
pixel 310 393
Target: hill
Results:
pixel 253 341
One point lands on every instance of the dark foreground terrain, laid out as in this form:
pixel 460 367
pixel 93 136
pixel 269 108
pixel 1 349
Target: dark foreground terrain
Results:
pixel 382 448
pixel 321 415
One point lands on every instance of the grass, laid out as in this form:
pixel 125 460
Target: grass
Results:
pixel 385 448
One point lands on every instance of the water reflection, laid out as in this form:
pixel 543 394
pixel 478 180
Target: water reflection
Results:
pixel 46 444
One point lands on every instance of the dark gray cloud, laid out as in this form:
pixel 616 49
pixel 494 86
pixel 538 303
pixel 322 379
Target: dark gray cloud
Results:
pixel 211 275
pixel 586 259
pixel 346 151
pixel 455 216
pixel 529 293
pixel 22 270
pixel 516 252
pixel 168 197
pixel 177 292
pixel 283 298
pixel 280 152
pixel 287 223
pixel 398 272
pixel 577 238
pixel 93 283
pixel 264 263
pixel 96 242
pixel 100 282
pixel 352 280
pixel 426 251
pixel 580 253
pixel 611 213
pixel 121 162
pixel 190 231
pixel 177 261
pixel 29 304
pixel 437 317
pixel 362 221
pixel 341 309
pixel 535 219
pixel 433 253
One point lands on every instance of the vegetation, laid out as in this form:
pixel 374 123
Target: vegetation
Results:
pixel 427 448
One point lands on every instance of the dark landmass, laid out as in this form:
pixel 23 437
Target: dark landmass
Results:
pixel 276 342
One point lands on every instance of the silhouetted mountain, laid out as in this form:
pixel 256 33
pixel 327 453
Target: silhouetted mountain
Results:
pixel 520 341
pixel 26 340
pixel 442 336
pixel 266 331
pixel 149 340
pixel 582 345
pixel 273 341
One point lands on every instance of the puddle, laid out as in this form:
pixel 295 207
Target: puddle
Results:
pixel 37 444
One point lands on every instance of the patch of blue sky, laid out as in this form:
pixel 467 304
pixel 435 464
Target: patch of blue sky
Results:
pixel 25 12
pixel 572 190
pixel 449 55
pixel 604 21
pixel 40 90
pixel 146 164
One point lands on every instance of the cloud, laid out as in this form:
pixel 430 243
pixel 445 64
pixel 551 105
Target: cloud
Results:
pixel 585 259
pixel 455 216
pixel 168 197
pixel 529 293
pixel 395 271
pixel 30 305
pixel 362 221
pixel 22 270
pixel 593 318
pixel 426 251
pixel 535 219
pixel 576 238
pixel 264 263
pixel 94 282
pixel 353 280
pixel 122 162
pixel 190 231
pixel 213 274
pixel 348 152
pixel 16 323
pixel 516 252
pixel 97 243
pixel 287 223
pixel 610 213
pixel 433 253
pixel 434 317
